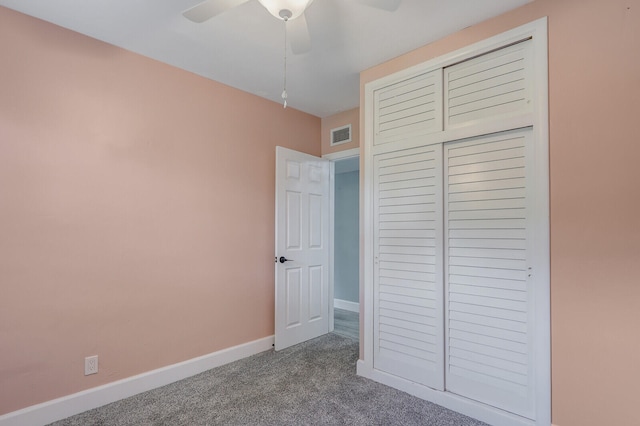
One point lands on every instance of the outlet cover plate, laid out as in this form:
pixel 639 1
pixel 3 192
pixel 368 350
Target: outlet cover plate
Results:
pixel 91 365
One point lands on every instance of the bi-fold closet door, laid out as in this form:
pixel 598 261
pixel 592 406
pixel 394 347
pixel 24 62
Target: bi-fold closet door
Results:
pixel 453 302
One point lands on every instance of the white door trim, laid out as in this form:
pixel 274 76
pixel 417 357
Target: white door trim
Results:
pixel 341 155
pixel 537 30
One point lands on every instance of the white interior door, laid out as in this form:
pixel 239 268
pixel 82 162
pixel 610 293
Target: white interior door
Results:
pixel 302 247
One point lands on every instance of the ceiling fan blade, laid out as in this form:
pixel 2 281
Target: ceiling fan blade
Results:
pixel 389 5
pixel 210 8
pixel 299 35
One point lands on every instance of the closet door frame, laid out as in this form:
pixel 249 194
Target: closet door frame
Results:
pixel 538 119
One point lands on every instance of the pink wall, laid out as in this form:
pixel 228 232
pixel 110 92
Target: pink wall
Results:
pixel 594 83
pixel 352 117
pixel 136 211
pixel 115 240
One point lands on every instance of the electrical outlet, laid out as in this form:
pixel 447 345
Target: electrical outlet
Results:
pixel 91 365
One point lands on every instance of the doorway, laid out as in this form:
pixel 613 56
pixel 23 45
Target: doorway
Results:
pixel 346 252
pixel 317 201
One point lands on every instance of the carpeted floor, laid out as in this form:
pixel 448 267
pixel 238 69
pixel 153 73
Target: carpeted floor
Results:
pixel 313 383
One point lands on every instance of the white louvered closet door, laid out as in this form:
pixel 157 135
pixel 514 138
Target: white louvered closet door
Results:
pixel 408 303
pixel 493 87
pixel 409 108
pixel 489 342
pixel 456 224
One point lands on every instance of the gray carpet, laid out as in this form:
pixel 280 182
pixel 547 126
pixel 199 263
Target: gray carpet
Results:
pixel 313 383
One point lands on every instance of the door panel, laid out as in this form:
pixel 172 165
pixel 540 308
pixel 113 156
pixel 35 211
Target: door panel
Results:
pixel 489 327
pixel 408 306
pixel 293 223
pixel 409 107
pixel 489 87
pixel 315 220
pixel 293 295
pixel 302 237
pixel 316 293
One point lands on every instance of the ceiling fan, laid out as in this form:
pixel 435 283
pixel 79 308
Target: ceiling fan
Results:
pixel 290 11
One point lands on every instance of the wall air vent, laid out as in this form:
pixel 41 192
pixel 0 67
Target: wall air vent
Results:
pixel 341 135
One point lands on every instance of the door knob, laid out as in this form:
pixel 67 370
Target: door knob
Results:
pixel 284 259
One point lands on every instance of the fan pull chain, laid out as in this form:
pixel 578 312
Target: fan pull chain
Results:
pixel 284 91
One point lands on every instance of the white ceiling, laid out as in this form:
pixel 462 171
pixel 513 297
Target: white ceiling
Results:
pixel 244 47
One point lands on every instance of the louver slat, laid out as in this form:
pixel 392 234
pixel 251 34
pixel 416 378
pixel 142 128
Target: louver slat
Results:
pixel 409 329
pixel 490 87
pixel 486 271
pixel 408 108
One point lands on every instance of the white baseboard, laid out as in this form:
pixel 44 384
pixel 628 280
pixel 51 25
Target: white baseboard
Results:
pixel 76 403
pixel 346 305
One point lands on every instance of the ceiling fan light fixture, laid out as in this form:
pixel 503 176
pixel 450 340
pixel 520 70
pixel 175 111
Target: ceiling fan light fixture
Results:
pixel 294 7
